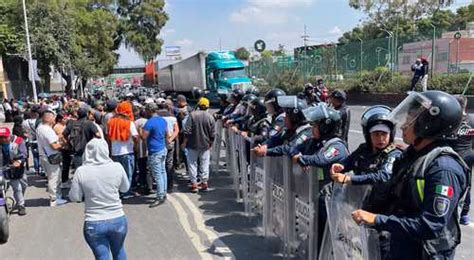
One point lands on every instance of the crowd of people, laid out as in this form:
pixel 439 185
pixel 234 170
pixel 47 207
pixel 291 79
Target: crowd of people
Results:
pixel 117 149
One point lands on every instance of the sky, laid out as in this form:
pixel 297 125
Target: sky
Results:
pixel 208 25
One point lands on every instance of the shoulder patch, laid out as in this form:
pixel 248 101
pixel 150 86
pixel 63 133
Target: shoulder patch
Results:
pixel 331 152
pixel 446 191
pixel 441 206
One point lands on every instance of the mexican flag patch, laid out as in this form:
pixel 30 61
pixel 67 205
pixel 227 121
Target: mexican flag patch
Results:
pixel 444 190
pixel 331 152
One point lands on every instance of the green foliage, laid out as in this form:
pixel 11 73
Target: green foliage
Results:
pixel 242 53
pixel 11 32
pixel 141 22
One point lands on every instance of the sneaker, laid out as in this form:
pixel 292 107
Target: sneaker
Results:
pixel 21 210
pixel 127 196
pixel 66 185
pixel 204 186
pixel 57 202
pixel 465 220
pixel 194 188
pixel 157 202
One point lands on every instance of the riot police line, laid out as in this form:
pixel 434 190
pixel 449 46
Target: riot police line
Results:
pixel 283 199
pixel 379 202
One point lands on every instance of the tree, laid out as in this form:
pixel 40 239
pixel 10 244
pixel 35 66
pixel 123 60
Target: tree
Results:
pixel 242 53
pixel 140 25
pixel 383 10
pixel 280 51
pixel 11 31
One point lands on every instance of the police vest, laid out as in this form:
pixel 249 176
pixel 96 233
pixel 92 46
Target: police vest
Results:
pixel 450 236
pixel 302 134
pixel 255 126
pixel 277 124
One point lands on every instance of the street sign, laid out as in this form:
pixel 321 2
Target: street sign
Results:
pixel 260 45
pixel 457 35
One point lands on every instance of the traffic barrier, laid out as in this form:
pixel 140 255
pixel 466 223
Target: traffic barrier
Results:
pixel 216 146
pixel 284 199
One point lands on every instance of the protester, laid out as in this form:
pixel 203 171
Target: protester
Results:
pixel 49 149
pixel 14 155
pixel 338 102
pixel 59 128
pixel 165 111
pixel 98 182
pixel 123 135
pixel 156 133
pixel 144 179
pixel 199 134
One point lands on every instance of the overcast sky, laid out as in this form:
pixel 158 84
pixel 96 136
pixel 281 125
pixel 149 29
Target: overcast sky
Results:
pixel 210 24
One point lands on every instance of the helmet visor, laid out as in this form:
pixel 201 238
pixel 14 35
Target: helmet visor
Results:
pixel 377 110
pixel 288 101
pixel 316 113
pixel 406 113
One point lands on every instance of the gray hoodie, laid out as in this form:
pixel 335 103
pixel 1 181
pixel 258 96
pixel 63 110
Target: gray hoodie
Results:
pixel 99 181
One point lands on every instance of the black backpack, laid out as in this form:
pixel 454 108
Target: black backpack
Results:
pixel 77 139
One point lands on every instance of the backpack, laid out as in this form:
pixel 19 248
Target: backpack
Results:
pixel 76 137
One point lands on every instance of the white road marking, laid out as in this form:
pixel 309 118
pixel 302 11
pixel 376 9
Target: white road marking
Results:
pixel 182 216
pixel 360 132
pixel 220 246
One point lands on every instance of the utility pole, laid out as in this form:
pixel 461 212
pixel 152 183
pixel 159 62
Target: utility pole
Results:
pixel 433 50
pixel 305 37
pixel 361 50
pixel 30 57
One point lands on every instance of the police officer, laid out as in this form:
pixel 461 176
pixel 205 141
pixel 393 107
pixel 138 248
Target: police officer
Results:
pixel 324 149
pixel 373 160
pixel 296 129
pixel 275 111
pixel 258 127
pixel 338 102
pixel 241 120
pixel 428 181
pixel 223 104
pixel 236 109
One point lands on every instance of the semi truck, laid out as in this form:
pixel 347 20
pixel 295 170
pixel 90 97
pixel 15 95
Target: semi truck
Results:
pixel 217 72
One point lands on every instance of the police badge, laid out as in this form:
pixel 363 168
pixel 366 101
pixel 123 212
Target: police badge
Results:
pixel 441 206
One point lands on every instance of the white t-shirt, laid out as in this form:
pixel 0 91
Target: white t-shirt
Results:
pixel 142 148
pixel 170 121
pixel 46 136
pixel 121 148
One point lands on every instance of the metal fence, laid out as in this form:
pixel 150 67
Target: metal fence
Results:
pixel 284 201
pixel 339 61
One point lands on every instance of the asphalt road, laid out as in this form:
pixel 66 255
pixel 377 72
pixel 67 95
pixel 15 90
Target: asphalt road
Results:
pixel 189 226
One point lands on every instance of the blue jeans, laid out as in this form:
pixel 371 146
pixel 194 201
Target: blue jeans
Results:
pixel 107 236
pixel 157 163
pixel 128 163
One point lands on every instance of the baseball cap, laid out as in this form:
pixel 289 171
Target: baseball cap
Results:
pixel 4 131
pixel 380 128
pixel 203 102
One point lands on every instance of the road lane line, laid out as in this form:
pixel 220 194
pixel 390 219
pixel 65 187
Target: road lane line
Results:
pixel 195 240
pixel 220 246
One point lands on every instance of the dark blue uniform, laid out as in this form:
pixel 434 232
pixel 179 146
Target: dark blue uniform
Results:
pixel 422 216
pixel 282 143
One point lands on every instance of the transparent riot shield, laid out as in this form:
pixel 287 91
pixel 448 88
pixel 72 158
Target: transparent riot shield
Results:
pixel 302 210
pixel 216 147
pixel 236 143
pixel 229 148
pixel 258 187
pixel 244 159
pixel 279 200
pixel 348 240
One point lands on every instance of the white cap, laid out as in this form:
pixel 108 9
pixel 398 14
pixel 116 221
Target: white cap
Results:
pixel 160 101
pixel 149 100
pixel 380 127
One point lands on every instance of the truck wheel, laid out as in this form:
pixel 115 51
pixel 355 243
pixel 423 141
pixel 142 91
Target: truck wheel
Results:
pixel 4 231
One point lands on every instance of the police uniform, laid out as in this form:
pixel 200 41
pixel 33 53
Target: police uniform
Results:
pixel 278 123
pixel 423 219
pixel 283 143
pixel 372 168
pixel 259 129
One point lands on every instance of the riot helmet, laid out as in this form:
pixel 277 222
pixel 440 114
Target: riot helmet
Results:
pixel 236 95
pixel 271 100
pixel 328 119
pixel 433 114
pixel 197 93
pixel 293 108
pixel 377 116
pixel 257 107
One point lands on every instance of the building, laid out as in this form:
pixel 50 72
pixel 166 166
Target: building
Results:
pixel 451 54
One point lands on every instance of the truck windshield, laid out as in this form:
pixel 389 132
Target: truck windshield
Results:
pixel 234 73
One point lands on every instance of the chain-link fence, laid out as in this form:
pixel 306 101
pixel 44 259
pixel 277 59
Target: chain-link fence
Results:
pixel 394 52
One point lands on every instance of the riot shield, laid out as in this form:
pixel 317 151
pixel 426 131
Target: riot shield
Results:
pixel 244 162
pixel 301 212
pixel 236 143
pixel 216 147
pixel 258 188
pixel 348 240
pixel 279 180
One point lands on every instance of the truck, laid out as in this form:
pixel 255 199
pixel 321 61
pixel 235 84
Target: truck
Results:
pixel 217 72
